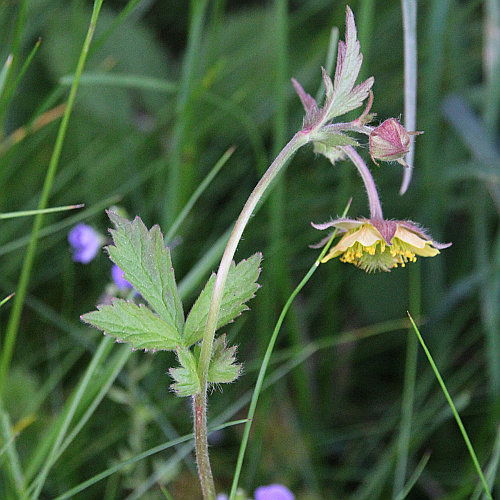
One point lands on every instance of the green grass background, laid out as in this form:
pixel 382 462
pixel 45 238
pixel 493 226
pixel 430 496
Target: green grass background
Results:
pixel 167 88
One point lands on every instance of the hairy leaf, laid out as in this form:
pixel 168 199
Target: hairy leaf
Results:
pixel 345 96
pixel 340 96
pixel 136 325
pixel 334 140
pixel 329 145
pixel 146 264
pixel 334 154
pixel 222 365
pixel 186 378
pixel 240 287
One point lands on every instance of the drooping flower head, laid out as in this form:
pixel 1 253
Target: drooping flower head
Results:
pixel 378 244
pixel 85 241
pixel 273 492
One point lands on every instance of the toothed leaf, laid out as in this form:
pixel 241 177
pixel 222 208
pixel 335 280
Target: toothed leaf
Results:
pixel 222 365
pixel 186 378
pixel 341 95
pixel 345 97
pixel 146 264
pixel 240 287
pixel 135 325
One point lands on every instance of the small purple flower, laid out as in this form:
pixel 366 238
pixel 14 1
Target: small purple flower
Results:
pixel 118 278
pixel 273 492
pixel 85 241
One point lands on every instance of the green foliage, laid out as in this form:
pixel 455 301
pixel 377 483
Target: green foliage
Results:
pixel 240 288
pixel 342 412
pixel 222 368
pixel 186 378
pixel 146 264
pixel 3 73
pixel 136 325
pixel 328 146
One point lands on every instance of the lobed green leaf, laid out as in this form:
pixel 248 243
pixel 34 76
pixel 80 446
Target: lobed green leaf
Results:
pixel 240 287
pixel 136 325
pixel 222 365
pixel 186 378
pixel 146 264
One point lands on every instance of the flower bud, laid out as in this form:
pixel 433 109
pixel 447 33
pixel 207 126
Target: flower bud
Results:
pixel 390 141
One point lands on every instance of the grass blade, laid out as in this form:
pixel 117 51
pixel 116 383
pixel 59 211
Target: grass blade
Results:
pixel 96 79
pixel 179 171
pixel 454 410
pixel 14 471
pixel 414 477
pixel 198 192
pixel 6 299
pixel 403 445
pixel 15 317
pixel 26 213
pixel 267 358
pixel 4 72
pixel 11 89
pixel 141 456
pixel 97 360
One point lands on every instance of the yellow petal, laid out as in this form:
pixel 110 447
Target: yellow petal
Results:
pixel 367 236
pixel 427 251
pixel 410 237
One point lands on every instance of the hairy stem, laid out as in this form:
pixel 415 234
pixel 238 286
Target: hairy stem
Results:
pixel 200 400
pixel 201 445
pixel 371 190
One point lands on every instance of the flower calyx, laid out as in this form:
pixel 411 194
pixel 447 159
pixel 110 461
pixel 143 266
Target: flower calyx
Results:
pixel 379 244
pixel 390 141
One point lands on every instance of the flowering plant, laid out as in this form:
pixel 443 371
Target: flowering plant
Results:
pixel 371 244
pixel 85 242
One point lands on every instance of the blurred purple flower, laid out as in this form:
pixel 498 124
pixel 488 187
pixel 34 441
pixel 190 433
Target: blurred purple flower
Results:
pixel 273 492
pixel 85 242
pixel 118 278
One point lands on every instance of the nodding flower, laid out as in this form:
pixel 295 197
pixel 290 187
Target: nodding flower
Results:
pixel 380 245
